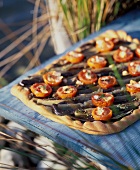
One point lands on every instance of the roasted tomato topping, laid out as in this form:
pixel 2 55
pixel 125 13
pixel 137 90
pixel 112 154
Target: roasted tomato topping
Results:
pixel 52 78
pixel 114 40
pixel 134 68
pixel 96 62
pixel 123 54
pixel 66 92
pixel 106 82
pixel 133 87
pixel 87 76
pixel 102 99
pixel 102 113
pixel 104 45
pixel 137 51
pixel 41 89
pixel 74 57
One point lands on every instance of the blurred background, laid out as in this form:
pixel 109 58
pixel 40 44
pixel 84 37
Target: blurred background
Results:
pixel 17 33
pixel 32 31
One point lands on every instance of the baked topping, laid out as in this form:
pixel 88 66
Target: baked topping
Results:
pixel 67 89
pixel 96 62
pixel 125 73
pixel 107 81
pixel 102 45
pixel 66 92
pixel 75 54
pixel 123 54
pixel 133 87
pixel 74 57
pixel 138 68
pixel 52 78
pixel 123 49
pixel 114 40
pixel 41 89
pixel 137 85
pixel 87 76
pixel 102 113
pixel 96 96
pixel 97 59
pixel 78 82
pixel 134 68
pixel 102 99
pixel 107 98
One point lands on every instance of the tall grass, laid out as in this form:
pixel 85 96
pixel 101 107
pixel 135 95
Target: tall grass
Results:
pixel 82 17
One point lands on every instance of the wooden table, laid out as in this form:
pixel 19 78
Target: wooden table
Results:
pixel 123 147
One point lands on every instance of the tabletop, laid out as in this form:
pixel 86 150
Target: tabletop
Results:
pixel 117 148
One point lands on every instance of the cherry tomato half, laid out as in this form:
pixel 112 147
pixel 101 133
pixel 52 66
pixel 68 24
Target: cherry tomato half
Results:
pixel 87 76
pixel 103 45
pixel 123 54
pixel 96 62
pixel 106 82
pixel 134 68
pixel 102 99
pixel 133 87
pixel 137 51
pixel 52 78
pixel 41 89
pixel 102 113
pixel 66 92
pixel 74 57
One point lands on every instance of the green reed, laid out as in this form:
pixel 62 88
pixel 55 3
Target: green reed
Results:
pixel 83 17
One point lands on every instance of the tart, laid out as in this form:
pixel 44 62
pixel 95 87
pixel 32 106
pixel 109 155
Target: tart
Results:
pixel 94 89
